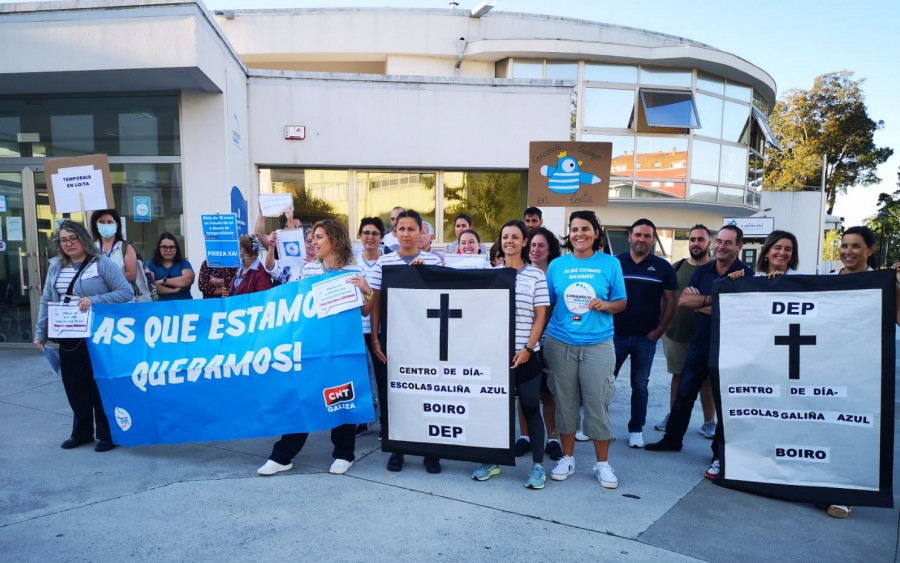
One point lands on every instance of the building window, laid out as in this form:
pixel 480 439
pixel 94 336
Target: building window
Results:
pixel 738 92
pixel 666 77
pixel 491 198
pixel 667 108
pixel 619 189
pixel 120 126
pixel 734 165
pixel 528 69
pixel 731 195
pixel 626 74
pixel 710 110
pixel 622 151
pixel 318 194
pixel 710 83
pixel 562 70
pixel 378 192
pixel 607 107
pixel 705 161
pixel 702 192
pixel 735 123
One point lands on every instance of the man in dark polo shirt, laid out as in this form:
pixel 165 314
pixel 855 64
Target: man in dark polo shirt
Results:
pixel 698 296
pixel 651 285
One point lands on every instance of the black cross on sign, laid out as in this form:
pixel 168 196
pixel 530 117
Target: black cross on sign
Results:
pixel 445 313
pixel 794 341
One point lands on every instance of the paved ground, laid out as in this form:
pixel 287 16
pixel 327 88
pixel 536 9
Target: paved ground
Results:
pixel 204 502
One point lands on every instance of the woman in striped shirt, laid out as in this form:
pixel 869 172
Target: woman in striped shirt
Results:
pixel 532 301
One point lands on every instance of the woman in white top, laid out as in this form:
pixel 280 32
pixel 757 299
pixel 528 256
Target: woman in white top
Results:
pixel 532 302
pixel 106 230
pixel 857 251
pixel 333 252
pixel 778 256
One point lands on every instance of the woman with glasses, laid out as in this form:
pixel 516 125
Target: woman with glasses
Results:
pixel 80 273
pixel 172 274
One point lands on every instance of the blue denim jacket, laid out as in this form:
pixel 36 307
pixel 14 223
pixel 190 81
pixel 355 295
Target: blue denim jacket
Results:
pixel 108 286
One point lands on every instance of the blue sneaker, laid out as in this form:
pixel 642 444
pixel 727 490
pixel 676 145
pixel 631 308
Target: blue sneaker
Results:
pixel 537 478
pixel 485 472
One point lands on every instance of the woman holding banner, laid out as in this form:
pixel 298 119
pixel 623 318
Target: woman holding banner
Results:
pixel 80 272
pixel 333 252
pixel 172 274
pixel 250 277
pixel 857 256
pixel 532 301
pixel 586 289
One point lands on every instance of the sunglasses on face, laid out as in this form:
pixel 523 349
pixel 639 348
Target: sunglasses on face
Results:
pixel 166 247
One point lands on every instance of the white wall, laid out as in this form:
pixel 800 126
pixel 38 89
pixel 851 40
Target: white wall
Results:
pixel 386 122
pixel 798 212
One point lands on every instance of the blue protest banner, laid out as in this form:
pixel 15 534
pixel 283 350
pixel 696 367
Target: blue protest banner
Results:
pixel 247 366
pixel 221 235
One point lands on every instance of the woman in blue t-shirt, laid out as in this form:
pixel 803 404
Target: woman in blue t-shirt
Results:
pixel 586 289
pixel 172 274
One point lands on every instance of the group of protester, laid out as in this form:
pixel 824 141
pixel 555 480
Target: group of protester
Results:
pixel 578 316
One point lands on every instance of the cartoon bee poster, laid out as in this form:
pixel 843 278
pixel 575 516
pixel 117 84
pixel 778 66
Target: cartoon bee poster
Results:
pixel 566 174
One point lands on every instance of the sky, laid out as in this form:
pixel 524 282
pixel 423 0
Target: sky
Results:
pixel 793 40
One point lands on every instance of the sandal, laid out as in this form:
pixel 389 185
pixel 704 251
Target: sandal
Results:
pixel 839 511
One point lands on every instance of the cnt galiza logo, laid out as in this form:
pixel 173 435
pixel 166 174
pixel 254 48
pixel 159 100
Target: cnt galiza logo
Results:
pixel 339 397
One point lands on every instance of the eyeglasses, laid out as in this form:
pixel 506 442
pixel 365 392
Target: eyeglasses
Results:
pixel 70 240
pixel 370 233
pixel 161 247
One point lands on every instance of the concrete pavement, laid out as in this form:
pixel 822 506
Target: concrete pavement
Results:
pixel 204 501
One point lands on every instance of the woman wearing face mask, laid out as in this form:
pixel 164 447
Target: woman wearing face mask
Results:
pixel 250 277
pixel 106 230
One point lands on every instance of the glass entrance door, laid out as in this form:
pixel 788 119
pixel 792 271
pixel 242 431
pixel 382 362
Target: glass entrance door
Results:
pixel 26 228
pixel 16 254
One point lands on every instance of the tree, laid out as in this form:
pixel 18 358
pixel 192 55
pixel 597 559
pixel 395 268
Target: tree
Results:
pixel 828 120
pixel 886 225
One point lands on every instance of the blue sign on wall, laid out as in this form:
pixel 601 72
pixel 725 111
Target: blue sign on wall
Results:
pixel 142 210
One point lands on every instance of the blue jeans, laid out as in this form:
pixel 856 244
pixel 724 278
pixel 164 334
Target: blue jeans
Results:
pixel 641 349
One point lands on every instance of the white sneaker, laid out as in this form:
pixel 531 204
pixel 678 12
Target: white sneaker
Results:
pixel 636 440
pixel 340 466
pixel 272 467
pixel 606 475
pixel 564 468
pixel 581 436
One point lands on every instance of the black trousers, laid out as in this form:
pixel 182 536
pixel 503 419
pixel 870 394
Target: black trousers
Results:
pixel 343 437
pixel 81 391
